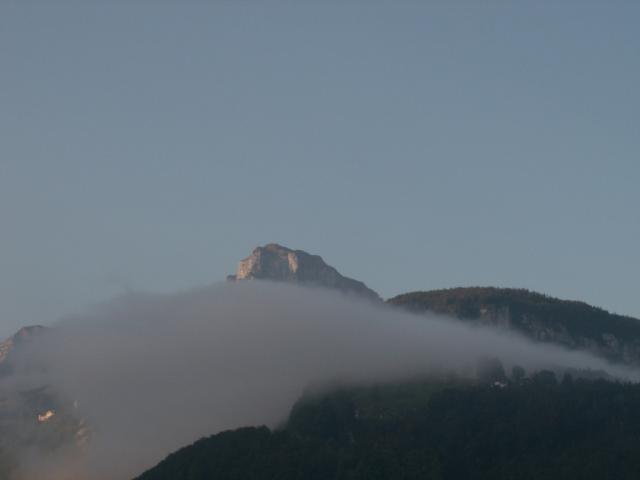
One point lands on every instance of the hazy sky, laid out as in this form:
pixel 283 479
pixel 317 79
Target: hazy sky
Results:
pixel 413 145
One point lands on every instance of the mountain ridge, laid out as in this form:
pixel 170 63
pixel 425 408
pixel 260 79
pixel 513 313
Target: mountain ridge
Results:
pixel 569 323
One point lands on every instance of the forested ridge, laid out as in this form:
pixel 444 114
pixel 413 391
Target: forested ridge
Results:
pixel 570 323
pixel 538 428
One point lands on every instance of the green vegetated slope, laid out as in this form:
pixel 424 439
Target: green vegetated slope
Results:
pixel 533 429
pixel 569 323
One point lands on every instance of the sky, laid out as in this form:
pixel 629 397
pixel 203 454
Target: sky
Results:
pixel 149 146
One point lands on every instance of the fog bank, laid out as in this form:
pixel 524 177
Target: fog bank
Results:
pixel 152 373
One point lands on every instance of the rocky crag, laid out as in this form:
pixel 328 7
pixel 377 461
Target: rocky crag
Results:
pixel 277 263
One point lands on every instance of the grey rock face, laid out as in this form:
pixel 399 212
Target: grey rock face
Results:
pixel 278 263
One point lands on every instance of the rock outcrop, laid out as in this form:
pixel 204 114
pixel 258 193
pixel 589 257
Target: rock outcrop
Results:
pixel 278 263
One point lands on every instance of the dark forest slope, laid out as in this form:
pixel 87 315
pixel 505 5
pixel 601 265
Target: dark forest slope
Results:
pixel 538 429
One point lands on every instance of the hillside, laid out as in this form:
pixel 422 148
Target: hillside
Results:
pixel 36 420
pixel 571 324
pixel 533 429
pixel 14 343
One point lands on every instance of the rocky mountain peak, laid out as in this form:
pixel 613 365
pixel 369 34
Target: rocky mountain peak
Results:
pixel 278 263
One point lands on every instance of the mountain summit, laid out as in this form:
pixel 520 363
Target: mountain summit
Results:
pixel 278 263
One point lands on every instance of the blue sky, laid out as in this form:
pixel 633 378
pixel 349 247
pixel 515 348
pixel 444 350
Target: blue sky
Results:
pixel 414 145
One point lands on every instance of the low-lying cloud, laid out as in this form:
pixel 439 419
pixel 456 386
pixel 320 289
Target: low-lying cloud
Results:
pixel 152 373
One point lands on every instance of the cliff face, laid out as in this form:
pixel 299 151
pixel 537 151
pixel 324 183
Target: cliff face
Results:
pixel 575 325
pixel 278 263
